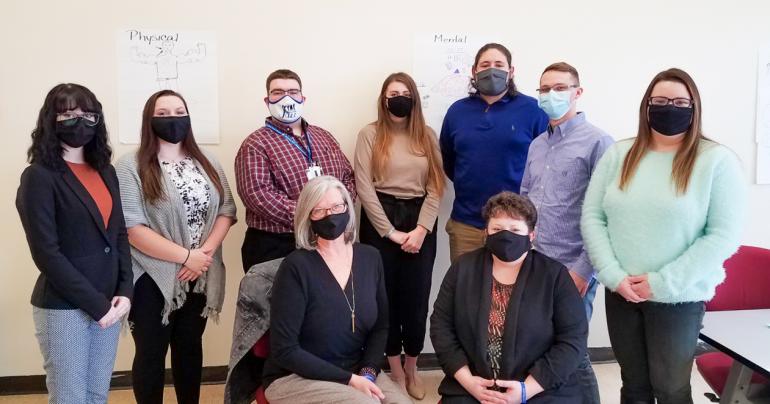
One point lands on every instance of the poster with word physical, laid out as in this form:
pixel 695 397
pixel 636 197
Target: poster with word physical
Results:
pixel 182 61
pixel 442 70
pixel 763 116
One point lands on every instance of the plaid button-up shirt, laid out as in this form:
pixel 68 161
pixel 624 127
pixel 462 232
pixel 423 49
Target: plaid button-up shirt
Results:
pixel 270 173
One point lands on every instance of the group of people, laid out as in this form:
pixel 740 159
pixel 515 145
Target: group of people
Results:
pixel 546 207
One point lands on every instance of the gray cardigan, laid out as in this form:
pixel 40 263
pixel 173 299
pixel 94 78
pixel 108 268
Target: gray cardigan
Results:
pixel 167 217
pixel 252 320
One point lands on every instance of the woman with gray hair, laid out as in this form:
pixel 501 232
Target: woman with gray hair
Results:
pixel 329 310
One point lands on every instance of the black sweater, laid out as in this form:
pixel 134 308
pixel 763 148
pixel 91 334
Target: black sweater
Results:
pixel 310 327
pixel 545 326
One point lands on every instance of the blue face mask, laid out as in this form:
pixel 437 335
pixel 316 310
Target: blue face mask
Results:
pixel 555 103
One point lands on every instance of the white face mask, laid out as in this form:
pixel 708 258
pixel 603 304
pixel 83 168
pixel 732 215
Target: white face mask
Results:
pixel 286 110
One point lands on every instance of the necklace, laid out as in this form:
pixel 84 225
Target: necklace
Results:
pixel 352 307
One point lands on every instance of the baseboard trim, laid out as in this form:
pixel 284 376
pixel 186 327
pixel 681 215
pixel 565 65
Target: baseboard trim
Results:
pixel 35 384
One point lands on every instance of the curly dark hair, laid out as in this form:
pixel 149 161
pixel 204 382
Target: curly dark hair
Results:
pixel 46 147
pixel 512 205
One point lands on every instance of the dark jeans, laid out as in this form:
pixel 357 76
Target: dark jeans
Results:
pixel 152 340
pixel 262 246
pixel 407 276
pixel 654 344
pixel 589 387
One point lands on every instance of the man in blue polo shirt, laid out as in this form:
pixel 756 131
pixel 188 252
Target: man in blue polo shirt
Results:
pixel 484 142
pixel 557 173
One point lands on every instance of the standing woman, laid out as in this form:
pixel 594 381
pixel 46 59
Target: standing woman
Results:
pixel 400 181
pixel 69 205
pixel 662 213
pixel 178 210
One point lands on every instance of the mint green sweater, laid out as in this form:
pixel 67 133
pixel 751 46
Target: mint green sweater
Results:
pixel 679 240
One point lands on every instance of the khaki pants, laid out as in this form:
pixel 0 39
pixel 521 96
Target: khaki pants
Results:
pixel 294 389
pixel 463 238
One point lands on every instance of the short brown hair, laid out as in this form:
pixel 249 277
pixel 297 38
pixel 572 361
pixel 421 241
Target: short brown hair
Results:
pixel 512 205
pixel 563 67
pixel 282 74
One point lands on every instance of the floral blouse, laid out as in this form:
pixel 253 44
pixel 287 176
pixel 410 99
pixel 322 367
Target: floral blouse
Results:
pixel 501 294
pixel 195 194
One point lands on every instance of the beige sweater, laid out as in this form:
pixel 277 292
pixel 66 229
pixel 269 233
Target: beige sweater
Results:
pixel 405 176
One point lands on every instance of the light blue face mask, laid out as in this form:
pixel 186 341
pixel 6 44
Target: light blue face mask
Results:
pixel 555 103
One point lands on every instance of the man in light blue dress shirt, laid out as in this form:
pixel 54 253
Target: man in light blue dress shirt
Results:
pixel 556 175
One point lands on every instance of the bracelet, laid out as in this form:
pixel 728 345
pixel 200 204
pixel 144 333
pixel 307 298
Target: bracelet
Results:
pixel 523 393
pixel 369 373
pixel 188 257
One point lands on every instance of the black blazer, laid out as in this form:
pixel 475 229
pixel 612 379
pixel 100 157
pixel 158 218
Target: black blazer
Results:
pixel 82 265
pixel 545 326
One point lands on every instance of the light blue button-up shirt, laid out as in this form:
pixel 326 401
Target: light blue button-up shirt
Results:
pixel 556 175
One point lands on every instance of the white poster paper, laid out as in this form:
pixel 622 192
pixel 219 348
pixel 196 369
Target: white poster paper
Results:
pixel 183 61
pixel 442 70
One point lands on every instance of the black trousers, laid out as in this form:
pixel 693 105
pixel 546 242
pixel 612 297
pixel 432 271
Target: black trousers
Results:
pixel 262 246
pixel 152 339
pixel 654 344
pixel 407 276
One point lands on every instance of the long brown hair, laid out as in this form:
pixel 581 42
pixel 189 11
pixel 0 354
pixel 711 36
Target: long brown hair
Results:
pixel 684 160
pixel 147 156
pixel 420 142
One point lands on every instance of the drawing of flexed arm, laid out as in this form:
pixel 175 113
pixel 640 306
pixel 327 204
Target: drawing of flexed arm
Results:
pixel 139 56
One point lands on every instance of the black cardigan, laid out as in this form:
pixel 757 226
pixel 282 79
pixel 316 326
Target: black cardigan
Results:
pixel 310 328
pixel 545 326
pixel 82 265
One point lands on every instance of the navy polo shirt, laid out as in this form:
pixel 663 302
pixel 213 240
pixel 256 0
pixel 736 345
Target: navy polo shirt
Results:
pixel 484 148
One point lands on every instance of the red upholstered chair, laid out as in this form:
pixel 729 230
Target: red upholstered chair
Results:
pixel 260 350
pixel 745 288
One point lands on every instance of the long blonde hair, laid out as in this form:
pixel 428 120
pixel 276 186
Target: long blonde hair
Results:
pixel 684 160
pixel 420 142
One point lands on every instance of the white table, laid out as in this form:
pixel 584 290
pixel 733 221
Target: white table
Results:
pixel 745 336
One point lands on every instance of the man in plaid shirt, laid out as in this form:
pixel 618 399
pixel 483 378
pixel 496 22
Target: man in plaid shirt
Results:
pixel 275 162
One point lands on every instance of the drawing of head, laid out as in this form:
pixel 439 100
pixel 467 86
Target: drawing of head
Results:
pixel 167 46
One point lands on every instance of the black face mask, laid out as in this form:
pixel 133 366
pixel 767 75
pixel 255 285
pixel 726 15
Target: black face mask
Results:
pixel 491 81
pixel 669 120
pixel 74 132
pixel 172 129
pixel 508 246
pixel 400 106
pixel 332 226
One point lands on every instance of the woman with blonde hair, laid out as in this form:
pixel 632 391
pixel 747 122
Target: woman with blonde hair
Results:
pixel 329 310
pixel 400 182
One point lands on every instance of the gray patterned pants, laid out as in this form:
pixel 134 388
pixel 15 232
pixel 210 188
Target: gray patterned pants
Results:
pixel 78 355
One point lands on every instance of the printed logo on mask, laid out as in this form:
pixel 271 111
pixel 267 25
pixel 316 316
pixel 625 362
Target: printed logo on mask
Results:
pixel 289 112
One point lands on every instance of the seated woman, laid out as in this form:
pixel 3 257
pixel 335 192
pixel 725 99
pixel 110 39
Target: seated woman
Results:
pixel 329 310
pixel 508 325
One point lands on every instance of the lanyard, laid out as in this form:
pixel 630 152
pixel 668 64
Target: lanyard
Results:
pixel 307 153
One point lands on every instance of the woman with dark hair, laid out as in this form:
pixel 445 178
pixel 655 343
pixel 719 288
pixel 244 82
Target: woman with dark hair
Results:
pixel 178 209
pixel 70 207
pixel 400 183
pixel 508 324
pixel 487 132
pixel 661 214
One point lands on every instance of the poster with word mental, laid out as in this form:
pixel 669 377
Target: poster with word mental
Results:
pixel 442 70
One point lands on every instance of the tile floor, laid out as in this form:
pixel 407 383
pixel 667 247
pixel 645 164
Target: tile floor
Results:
pixel 608 375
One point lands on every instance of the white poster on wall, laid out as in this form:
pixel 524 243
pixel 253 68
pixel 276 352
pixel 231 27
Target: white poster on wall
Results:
pixel 442 70
pixel 763 117
pixel 183 61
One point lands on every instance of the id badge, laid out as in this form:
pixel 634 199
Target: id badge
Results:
pixel 313 171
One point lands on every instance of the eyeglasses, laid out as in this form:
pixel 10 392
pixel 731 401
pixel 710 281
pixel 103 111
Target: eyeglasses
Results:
pixel 320 213
pixel 278 93
pixel 72 118
pixel 680 102
pixel 558 87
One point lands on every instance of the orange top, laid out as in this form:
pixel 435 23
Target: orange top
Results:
pixel 96 187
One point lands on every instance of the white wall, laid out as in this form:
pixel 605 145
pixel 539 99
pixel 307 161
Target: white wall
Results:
pixel 343 50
